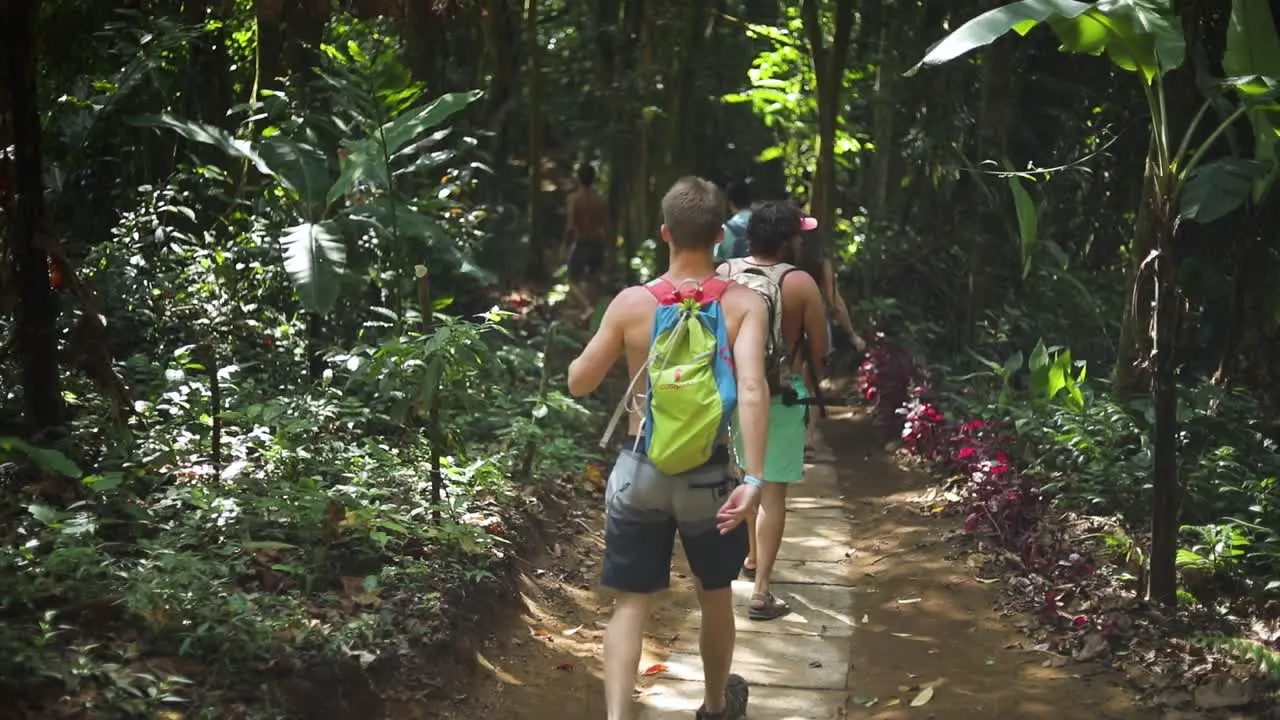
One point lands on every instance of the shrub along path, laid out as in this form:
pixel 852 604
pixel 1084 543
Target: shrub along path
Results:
pixel 884 617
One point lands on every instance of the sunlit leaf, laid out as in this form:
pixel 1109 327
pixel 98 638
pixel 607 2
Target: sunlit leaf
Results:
pixel 43 513
pixel 408 126
pixel 1138 35
pixel 315 259
pixel 988 27
pixel 1253 52
pixel 104 482
pixel 206 134
pixel 43 458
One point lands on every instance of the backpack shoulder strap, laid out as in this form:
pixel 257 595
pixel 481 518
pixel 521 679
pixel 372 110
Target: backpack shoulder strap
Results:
pixel 661 288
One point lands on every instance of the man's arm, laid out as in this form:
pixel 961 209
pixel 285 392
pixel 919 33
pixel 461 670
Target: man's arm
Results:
pixel 589 369
pixel 753 391
pixel 570 221
pixel 815 325
pixel 836 301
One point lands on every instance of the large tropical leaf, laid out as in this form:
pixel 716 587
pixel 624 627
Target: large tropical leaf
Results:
pixel 1020 17
pixel 413 224
pixel 1028 221
pixel 315 259
pixel 413 123
pixel 206 134
pixel 300 168
pixel 1217 188
pixel 1253 49
pixel 1138 35
pixel 363 163
pixel 366 159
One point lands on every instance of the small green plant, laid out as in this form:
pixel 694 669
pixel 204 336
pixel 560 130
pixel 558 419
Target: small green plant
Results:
pixel 1264 659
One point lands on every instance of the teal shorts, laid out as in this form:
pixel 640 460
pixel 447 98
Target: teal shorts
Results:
pixel 784 452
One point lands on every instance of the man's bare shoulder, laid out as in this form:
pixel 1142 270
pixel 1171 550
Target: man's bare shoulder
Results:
pixel 631 303
pixel 740 300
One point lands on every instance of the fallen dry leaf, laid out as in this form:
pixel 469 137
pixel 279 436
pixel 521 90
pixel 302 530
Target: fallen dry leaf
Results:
pixel 572 631
pixel 923 698
pixel 655 670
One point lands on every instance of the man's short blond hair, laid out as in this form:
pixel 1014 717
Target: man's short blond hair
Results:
pixel 693 211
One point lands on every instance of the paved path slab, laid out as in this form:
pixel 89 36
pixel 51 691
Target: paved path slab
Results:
pixel 794 661
pixel 797 666
pixel 678 700
pixel 818 610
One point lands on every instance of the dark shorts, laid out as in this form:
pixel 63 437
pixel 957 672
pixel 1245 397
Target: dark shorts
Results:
pixel 586 259
pixel 644 510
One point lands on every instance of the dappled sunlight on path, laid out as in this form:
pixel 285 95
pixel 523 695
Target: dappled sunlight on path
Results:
pixel 881 614
pixel 882 617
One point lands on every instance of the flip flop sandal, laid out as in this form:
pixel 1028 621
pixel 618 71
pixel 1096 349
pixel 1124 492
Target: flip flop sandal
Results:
pixel 771 609
pixel 748 572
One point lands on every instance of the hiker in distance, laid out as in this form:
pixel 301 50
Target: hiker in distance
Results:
pixel 588 235
pixel 795 363
pixel 734 244
pixel 694 345
pixel 815 259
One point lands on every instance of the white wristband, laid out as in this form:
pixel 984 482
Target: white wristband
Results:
pixel 753 481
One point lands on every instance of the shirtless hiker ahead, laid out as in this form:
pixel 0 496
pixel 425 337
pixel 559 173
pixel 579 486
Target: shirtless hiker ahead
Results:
pixel 700 339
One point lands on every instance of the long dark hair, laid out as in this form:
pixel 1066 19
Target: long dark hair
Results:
pixel 813 251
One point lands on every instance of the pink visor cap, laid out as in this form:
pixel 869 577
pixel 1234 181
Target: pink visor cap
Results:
pixel 807 223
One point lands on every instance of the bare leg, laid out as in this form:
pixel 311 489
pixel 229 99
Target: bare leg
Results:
pixel 812 436
pixel 770 524
pixel 716 644
pixel 623 642
pixel 751 563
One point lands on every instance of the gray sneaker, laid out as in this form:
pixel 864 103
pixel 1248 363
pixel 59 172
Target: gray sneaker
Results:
pixel 736 693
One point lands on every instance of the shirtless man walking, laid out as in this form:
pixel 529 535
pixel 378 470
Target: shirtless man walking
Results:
pixel 706 505
pixel 588 234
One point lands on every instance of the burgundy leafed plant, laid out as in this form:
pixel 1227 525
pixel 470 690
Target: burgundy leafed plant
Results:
pixel 997 497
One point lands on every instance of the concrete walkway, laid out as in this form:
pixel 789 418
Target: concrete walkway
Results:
pixel 883 610
pixel 797 666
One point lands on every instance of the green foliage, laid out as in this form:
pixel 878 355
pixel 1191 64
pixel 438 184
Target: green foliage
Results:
pixel 1094 454
pixel 275 495
pixel 1265 659
pixel 783 95
pixel 385 123
pixel 1137 35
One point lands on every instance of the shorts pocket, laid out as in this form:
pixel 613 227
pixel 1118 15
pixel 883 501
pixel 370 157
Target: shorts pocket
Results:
pixel 697 500
pixel 636 487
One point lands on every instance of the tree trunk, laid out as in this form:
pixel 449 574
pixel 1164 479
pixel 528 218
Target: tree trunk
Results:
pixel 642 225
pixel 883 115
pixel 209 60
pixel 425 42
pixel 305 21
pixel 828 65
pixel 36 313
pixel 270 19
pixel 537 243
pixel 1126 376
pixel 1163 582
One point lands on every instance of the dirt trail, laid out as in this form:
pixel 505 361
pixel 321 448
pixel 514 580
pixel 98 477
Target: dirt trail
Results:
pixel 881 612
